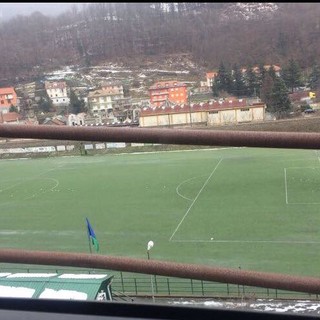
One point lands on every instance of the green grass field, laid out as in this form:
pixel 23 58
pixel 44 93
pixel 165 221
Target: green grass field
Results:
pixel 260 206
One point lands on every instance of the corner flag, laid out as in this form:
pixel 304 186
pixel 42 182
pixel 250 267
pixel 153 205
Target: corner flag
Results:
pixel 92 236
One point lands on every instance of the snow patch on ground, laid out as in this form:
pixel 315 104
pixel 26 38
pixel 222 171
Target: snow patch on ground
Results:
pixel 263 305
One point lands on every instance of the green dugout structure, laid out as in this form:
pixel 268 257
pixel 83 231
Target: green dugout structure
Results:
pixel 64 286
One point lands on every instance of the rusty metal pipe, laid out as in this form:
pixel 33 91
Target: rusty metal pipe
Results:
pixel 163 268
pixel 294 140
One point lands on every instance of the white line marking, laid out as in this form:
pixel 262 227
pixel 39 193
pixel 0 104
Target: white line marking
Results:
pixel 250 241
pixel 38 193
pixel 285 184
pixel 303 168
pixel 304 203
pixel 30 179
pixel 183 182
pixel 195 199
pixel 286 187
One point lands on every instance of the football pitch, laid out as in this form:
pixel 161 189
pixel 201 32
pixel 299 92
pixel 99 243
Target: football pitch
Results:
pixel 249 208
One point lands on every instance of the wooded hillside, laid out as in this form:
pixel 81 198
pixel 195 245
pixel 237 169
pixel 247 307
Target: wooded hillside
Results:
pixel 107 31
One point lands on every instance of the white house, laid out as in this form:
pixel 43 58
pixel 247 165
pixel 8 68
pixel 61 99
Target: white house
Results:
pixel 57 92
pixel 76 119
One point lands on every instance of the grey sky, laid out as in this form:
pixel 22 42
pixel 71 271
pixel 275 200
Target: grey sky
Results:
pixel 10 9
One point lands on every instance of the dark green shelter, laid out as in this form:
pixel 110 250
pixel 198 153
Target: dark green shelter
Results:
pixel 66 286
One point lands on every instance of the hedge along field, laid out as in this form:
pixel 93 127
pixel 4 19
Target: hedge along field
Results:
pixel 257 209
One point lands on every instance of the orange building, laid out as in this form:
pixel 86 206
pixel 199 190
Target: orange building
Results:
pixel 173 91
pixel 8 98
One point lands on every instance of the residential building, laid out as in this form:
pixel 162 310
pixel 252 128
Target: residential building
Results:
pixel 113 87
pixel 100 102
pixel 210 78
pixel 214 113
pixel 212 74
pixel 54 122
pixel 76 119
pixel 10 117
pixel 164 91
pixel 8 98
pixel 58 93
pixel 267 67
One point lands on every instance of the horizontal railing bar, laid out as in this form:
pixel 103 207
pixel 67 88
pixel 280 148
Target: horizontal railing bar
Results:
pixel 294 140
pixel 163 268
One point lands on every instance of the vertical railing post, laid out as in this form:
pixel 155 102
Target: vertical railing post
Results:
pixel 135 286
pixel 168 284
pixel 155 282
pixel 122 283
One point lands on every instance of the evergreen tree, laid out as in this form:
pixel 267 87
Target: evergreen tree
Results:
pixel 13 108
pixel 223 80
pixel 45 104
pixel 280 103
pixel 76 105
pixel 238 85
pixel 260 77
pixel 266 89
pixel 251 81
pixel 262 73
pixel 215 90
pixel 292 75
pixel 272 72
pixel 314 78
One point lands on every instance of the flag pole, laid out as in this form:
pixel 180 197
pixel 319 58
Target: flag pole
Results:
pixel 89 239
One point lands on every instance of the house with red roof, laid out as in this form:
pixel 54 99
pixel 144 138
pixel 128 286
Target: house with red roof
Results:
pixel 8 98
pixel 10 118
pixel 210 78
pixel 168 91
pixel 57 92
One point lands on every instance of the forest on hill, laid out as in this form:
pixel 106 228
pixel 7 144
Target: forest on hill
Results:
pixel 210 32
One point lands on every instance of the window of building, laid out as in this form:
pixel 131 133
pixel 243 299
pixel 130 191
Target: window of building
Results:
pixel 246 109
pixel 213 112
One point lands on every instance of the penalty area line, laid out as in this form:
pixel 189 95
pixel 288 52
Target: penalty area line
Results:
pixel 195 199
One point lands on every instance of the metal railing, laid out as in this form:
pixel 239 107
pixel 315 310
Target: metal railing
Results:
pixel 200 274
pixel 139 285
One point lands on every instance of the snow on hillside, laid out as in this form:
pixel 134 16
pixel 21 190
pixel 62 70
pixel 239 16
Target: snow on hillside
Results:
pixel 249 11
